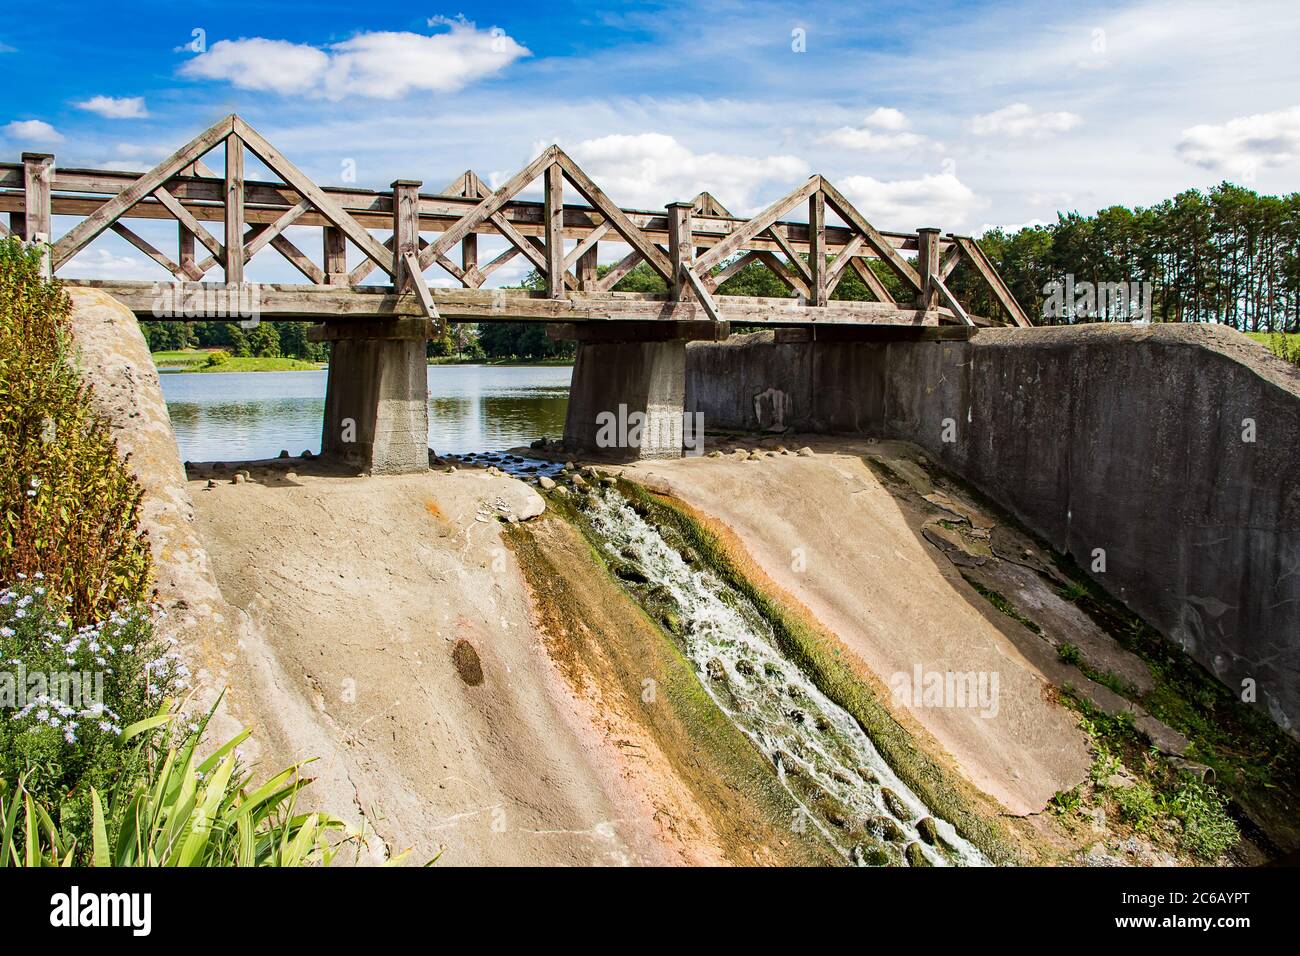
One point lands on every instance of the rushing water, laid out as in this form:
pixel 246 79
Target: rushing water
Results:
pixel 803 733
pixel 223 416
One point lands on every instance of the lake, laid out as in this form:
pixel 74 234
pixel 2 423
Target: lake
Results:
pixel 224 416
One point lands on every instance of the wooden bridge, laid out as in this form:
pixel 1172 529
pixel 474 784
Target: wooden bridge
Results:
pixel 695 246
pixel 631 346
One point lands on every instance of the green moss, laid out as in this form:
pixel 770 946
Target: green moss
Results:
pixel 818 655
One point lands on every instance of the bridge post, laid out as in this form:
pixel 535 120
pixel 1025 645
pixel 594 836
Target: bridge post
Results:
pixel 376 395
pixel 406 230
pixel 628 394
pixel 234 191
pixel 681 245
pixel 927 264
pixel 38 169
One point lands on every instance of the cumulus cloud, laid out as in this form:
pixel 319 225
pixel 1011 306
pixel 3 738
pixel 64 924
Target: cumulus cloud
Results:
pixel 884 130
pixel 115 107
pixel 905 204
pixel 33 131
pixel 1019 121
pixel 651 169
pixel 1245 143
pixel 379 65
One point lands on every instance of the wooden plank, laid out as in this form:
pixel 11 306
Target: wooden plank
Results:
pixel 817 248
pixel 779 232
pixel 878 242
pixel 729 246
pixel 716 279
pixel 412 269
pixel 783 272
pixel 871 280
pixel 148 249
pixel 951 259
pixel 950 300
pixel 681 248
pixel 85 231
pixel 478 305
pixel 617 271
pixel 269 234
pixel 487 207
pixel 37 216
pixel 234 193
pixel 335 251
pixel 985 268
pixel 186 219
pixel 185 252
pixel 927 264
pixel 292 175
pixel 553 191
pixel 406 232
pixel 624 226
pixel 835 269
pixel 587 245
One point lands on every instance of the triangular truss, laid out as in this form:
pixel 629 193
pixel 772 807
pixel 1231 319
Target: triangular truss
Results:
pixel 695 248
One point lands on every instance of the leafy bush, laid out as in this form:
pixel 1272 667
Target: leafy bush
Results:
pixel 66 693
pixel 219 357
pixel 1208 830
pixel 181 812
pixel 69 504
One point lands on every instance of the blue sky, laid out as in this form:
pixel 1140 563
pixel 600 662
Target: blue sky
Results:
pixel 950 114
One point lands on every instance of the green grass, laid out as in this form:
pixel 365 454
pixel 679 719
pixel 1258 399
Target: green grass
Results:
pixel 206 360
pixel 1285 345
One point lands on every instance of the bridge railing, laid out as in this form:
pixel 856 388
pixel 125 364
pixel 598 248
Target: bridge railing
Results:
pixel 694 246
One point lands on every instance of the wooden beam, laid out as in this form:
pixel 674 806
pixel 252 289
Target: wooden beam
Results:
pixel 878 242
pixel 187 219
pixel 871 280
pixel 149 250
pixel 630 232
pixel 1000 289
pixel 950 300
pixel 292 175
pixel 37 172
pixel 411 269
pixel 681 247
pixel 927 263
pixel 406 232
pixel 234 192
pixel 335 252
pixel 553 200
pixel 731 245
pixel 817 248
pixel 85 231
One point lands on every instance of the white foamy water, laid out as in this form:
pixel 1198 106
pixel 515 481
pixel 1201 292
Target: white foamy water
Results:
pixel 770 699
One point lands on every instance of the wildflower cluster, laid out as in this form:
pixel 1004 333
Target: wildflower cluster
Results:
pixel 66 692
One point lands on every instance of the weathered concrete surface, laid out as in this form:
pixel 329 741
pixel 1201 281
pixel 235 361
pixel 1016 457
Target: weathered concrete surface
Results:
pixel 377 399
pixel 343 643
pixel 626 399
pixel 828 533
pixel 1128 439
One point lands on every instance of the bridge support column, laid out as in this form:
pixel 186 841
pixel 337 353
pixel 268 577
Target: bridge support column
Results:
pixel 628 393
pixel 376 395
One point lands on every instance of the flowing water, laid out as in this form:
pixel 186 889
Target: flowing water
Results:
pixel 819 750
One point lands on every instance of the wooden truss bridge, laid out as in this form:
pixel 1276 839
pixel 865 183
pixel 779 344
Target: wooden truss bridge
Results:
pixel 695 246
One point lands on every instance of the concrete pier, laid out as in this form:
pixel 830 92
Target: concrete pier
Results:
pixel 376 396
pixel 628 393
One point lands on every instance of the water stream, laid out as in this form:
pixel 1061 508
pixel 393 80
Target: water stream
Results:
pixel 822 756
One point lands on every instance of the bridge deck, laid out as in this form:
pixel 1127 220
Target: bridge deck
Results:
pixel 693 246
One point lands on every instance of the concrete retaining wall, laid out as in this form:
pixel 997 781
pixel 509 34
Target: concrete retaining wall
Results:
pixel 1133 440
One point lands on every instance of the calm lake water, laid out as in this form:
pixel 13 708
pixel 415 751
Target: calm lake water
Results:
pixel 222 416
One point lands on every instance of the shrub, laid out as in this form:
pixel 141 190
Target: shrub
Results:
pixel 69 504
pixel 66 693
pixel 181 812
pixel 219 357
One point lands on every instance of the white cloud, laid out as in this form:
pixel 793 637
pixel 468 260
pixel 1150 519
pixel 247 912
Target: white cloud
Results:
pixel 905 204
pixel 884 130
pixel 1244 144
pixel 383 65
pixel 651 169
pixel 33 131
pixel 115 107
pixel 1019 121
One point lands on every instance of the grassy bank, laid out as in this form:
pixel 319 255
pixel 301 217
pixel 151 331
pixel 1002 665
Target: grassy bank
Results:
pixel 215 360
pixel 456 360
pixel 1285 345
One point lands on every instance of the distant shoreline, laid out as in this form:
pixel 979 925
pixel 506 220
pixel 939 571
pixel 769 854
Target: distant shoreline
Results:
pixel 197 360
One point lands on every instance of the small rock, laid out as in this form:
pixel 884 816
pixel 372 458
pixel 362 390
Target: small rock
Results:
pixel 307 454
pixel 895 804
pixel 715 669
pixel 546 483
pixel 284 453
pixel 568 466
pixel 714 454
pixel 578 481
pixel 290 476
pixel 239 478
pixel 451 469
pixel 915 856
pixel 211 483
pixel 929 832
pixel 805 452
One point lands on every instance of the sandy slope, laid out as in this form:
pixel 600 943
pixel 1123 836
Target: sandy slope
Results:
pixel 830 534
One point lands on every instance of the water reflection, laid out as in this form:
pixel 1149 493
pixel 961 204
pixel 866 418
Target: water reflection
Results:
pixel 236 415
